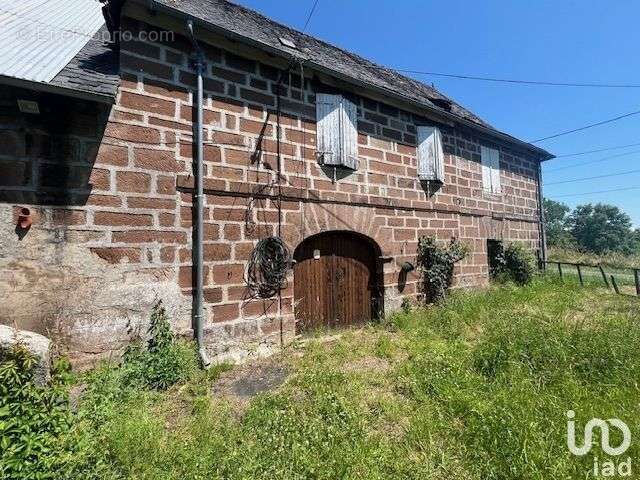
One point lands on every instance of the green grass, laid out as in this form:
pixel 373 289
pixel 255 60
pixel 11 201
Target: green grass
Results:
pixel 474 389
pixel 616 264
pixel 616 261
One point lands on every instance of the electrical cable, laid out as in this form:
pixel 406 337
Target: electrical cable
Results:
pixel 267 269
pixel 520 82
pixel 596 151
pixel 610 120
pixel 313 9
pixel 593 161
pixel 593 178
pixel 595 192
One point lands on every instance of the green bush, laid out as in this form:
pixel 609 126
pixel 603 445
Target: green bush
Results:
pixel 515 263
pixel 520 263
pixel 38 437
pixel 31 417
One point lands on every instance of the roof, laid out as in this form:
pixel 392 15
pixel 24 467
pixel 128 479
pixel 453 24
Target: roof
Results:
pixel 243 23
pixel 57 45
pixel 94 69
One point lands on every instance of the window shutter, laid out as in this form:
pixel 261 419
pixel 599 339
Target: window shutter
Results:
pixel 337 124
pixel 487 162
pixel 328 126
pixel 349 130
pixel 495 172
pixel 430 154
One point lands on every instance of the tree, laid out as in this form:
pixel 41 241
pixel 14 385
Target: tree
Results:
pixel 601 228
pixel 555 215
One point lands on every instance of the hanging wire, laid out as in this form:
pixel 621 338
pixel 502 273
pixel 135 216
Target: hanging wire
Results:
pixel 268 266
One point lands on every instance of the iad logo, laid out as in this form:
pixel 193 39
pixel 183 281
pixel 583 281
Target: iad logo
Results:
pixel 608 468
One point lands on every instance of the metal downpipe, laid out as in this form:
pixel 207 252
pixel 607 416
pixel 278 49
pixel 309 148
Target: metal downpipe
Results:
pixel 543 231
pixel 198 310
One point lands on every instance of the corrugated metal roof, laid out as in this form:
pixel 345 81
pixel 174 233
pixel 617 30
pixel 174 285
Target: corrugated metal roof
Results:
pixel 38 38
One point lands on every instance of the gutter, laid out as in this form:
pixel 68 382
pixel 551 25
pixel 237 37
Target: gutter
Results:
pixel 64 91
pixel 543 232
pixel 542 154
pixel 198 259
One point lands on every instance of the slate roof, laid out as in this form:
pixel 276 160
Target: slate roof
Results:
pixel 245 24
pixel 93 70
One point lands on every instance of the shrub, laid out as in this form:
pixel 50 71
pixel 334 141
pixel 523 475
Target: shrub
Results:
pixel 515 263
pixel 520 263
pixel 436 264
pixel 31 417
pixel 38 438
pixel 164 361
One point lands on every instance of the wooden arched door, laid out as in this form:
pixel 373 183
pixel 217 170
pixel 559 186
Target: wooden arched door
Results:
pixel 335 281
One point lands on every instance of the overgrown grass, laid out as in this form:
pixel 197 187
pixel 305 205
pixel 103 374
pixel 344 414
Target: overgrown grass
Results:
pixel 610 260
pixel 616 264
pixel 476 388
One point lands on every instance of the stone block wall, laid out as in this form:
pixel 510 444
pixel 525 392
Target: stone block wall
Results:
pixel 132 233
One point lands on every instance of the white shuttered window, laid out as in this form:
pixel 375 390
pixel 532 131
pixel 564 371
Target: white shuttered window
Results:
pixel 430 154
pixel 337 124
pixel 490 170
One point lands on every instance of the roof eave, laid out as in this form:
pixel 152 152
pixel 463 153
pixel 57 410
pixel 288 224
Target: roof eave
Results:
pixel 542 154
pixel 55 89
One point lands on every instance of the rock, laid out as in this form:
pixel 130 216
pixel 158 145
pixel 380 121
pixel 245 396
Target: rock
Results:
pixel 38 345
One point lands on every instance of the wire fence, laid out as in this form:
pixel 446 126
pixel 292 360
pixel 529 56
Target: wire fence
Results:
pixel 624 281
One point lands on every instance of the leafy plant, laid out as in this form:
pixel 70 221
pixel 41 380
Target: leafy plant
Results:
pixel 163 361
pixel 436 264
pixel 38 437
pixel 515 263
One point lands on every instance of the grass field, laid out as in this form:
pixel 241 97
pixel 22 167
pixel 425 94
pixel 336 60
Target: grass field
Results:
pixel 616 261
pixel 477 388
pixel 620 266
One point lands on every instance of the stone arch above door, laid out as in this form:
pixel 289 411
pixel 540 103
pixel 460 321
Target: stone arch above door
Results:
pixel 317 218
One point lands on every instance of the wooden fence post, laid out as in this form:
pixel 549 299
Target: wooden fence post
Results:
pixel 604 276
pixel 615 285
pixel 560 270
pixel 580 274
pixel 636 274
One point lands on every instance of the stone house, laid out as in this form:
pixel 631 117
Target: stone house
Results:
pixel 347 161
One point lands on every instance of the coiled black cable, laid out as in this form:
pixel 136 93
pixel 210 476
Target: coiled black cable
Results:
pixel 268 266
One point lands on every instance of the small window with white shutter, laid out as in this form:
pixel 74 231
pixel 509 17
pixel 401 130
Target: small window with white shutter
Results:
pixel 430 155
pixel 490 170
pixel 337 125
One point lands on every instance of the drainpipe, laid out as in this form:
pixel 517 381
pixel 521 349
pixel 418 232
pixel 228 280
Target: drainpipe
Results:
pixel 199 200
pixel 543 233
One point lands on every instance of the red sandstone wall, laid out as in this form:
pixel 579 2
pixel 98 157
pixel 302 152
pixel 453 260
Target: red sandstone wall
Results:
pixel 139 212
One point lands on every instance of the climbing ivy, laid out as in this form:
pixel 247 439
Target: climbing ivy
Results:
pixel 436 264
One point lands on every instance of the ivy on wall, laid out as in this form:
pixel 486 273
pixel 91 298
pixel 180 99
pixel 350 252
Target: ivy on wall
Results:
pixel 436 264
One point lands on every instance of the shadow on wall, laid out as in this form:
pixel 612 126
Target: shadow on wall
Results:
pixel 47 158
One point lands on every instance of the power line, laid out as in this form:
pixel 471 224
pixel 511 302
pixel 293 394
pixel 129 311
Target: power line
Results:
pixel 619 117
pixel 593 161
pixel 593 178
pixel 521 82
pixel 597 151
pixel 313 9
pixel 599 191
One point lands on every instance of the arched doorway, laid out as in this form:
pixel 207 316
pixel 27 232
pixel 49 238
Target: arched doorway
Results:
pixel 336 281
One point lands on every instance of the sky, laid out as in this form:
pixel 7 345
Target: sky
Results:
pixel 554 41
